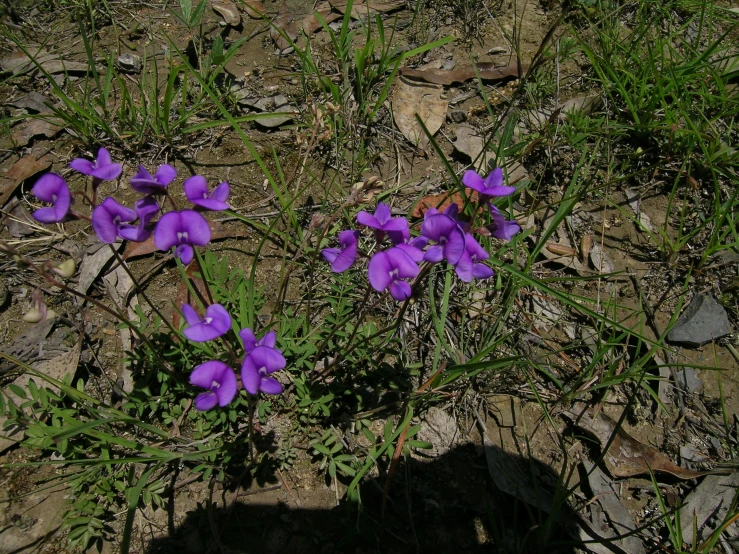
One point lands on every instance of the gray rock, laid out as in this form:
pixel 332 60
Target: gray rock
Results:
pixel 459 116
pixel 702 321
pixel 130 63
pixel 4 294
pixel 687 379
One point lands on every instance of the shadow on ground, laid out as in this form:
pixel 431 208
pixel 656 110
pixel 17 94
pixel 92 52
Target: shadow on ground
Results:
pixel 447 504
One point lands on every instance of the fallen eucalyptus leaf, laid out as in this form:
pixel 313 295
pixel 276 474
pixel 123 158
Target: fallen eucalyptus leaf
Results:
pixel 427 101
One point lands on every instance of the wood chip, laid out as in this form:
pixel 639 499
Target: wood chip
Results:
pixel 26 167
pixel 228 11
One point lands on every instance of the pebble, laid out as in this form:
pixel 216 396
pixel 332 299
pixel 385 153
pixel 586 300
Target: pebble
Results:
pixel 701 322
pixel 459 116
pixel 130 63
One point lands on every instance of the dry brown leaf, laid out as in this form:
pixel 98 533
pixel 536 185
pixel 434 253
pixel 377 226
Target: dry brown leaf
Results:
pixel 26 167
pixel 93 263
pixel 487 72
pixel 284 25
pixel 311 23
pixel 253 8
pixel 228 11
pixel 218 231
pixel 626 456
pixel 24 132
pixel 441 202
pixel 362 8
pixel 427 101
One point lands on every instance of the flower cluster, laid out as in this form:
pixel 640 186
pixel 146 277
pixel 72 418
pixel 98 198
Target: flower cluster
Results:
pixel 112 221
pixel 442 237
pixel 261 359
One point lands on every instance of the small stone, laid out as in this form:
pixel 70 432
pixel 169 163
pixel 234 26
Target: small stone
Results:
pixel 459 116
pixel 702 321
pixel 448 65
pixel 130 63
pixel 687 379
pixel 497 50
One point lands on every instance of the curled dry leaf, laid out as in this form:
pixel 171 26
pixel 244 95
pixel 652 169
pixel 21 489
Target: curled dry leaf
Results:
pixel 626 456
pixel 24 132
pixel 441 202
pixel 253 8
pixel 228 11
pixel 427 101
pixel 26 167
pixel 486 71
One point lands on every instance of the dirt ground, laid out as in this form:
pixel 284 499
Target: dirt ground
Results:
pixel 442 500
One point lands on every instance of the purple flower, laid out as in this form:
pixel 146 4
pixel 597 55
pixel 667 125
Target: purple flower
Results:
pixel 381 222
pixel 183 230
pixel 216 322
pixel 443 229
pixel 146 208
pixel 108 218
pixel 388 269
pixel 492 185
pixel 53 189
pixel 258 364
pixel 250 340
pixel 500 227
pixel 220 381
pixel 468 266
pixel 342 258
pixel 143 181
pixel 103 169
pixel 196 190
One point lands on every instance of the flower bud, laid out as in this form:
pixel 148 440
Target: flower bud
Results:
pixel 65 269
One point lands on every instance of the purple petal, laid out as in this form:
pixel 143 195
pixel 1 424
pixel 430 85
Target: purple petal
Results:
pixel 107 172
pixel 185 253
pixel 474 249
pixel 45 215
pixel 269 340
pixel 455 246
pixel 380 271
pixel 406 267
pixel 481 271
pixel 216 323
pixel 499 191
pixel 330 254
pixel 348 237
pixel 165 234
pixel 221 193
pixel 146 208
pixel 208 373
pixel 452 211
pixel 264 357
pixel 190 315
pixel 248 339
pixel 494 178
pixel 53 189
pixel 165 174
pixel 399 237
pixel 382 214
pixel 434 254
pixel 472 180
pixel 205 401
pixel 107 218
pixel 400 290
pixel 219 317
pixel 250 378
pixel 345 259
pixel 227 389
pixel 464 268
pixel 145 183
pixel 437 226
pixel 194 228
pixel 103 158
pixel 396 224
pixel 363 218
pixel 196 188
pixel 413 252
pixel 210 204
pixel 270 385
pixel 82 165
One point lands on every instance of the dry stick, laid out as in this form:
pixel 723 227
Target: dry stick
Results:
pixel 652 322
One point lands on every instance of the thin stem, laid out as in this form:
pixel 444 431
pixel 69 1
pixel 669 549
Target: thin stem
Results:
pixel 140 290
